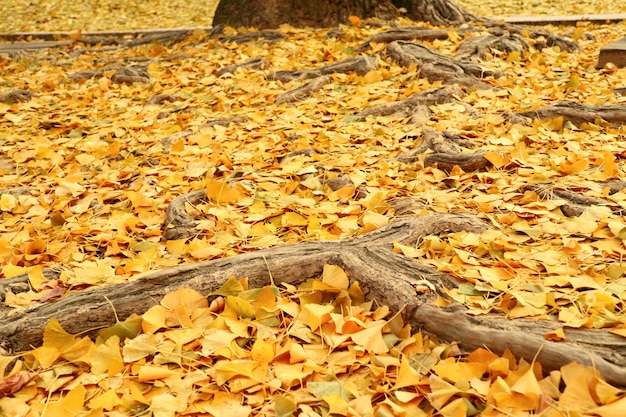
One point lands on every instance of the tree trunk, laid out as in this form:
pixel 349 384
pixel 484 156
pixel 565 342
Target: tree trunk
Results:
pixel 435 12
pixel 264 14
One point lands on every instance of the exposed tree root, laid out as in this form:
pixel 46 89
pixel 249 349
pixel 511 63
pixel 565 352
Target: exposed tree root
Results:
pixel 468 162
pixel 604 351
pixel 361 65
pixel 256 63
pixel 305 91
pixel 268 36
pixel 575 203
pixel 16 96
pixel 441 143
pixel 435 66
pixel 575 113
pixel 405 33
pixel 417 105
pixel 127 75
pixel 387 277
pixel 480 45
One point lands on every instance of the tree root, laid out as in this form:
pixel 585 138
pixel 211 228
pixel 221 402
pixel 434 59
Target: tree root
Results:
pixel 127 75
pixel 417 104
pixel 387 277
pixel 256 63
pixel 16 96
pixel 361 65
pixel 305 91
pixel 435 66
pixel 575 113
pixel 441 143
pixel 405 33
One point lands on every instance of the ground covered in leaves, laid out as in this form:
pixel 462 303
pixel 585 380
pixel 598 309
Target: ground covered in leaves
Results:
pixel 90 165
pixel 99 15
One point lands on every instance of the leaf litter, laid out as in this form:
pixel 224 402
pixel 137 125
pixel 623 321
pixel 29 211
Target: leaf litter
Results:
pixel 317 349
pixel 87 180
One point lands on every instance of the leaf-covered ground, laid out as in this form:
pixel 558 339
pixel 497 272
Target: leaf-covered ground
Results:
pixel 86 181
pixel 98 15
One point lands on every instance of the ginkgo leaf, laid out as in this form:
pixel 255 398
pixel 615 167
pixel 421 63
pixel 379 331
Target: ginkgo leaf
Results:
pixel 232 286
pixel 220 192
pixel 407 375
pixel 126 329
pixel 107 401
pixel 335 276
pixel 371 338
pixel 284 407
pixel 70 405
pixel 150 373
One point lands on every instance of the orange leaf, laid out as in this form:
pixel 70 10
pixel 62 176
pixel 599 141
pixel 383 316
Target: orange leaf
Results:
pixel 220 193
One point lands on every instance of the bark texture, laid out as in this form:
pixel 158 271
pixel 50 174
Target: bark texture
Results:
pixel 298 13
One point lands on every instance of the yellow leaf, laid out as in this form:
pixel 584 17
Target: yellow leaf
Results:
pixel 441 391
pixel 181 304
pixel 336 404
pixel 614 409
pixel 107 401
pixel 225 404
pixel 619 332
pixel 355 20
pixel 10 270
pixel 220 193
pixel 557 335
pixel 528 385
pixel 107 358
pixel 154 319
pixel 371 338
pixel 372 77
pixel 335 276
pixel 456 408
pixel 496 159
pixel 7 202
pixel 407 375
pixel 178 146
pixel 262 351
pixel 46 356
pixel 575 163
pixel 284 407
pixel 36 277
pixel 151 372
pixel 68 406
pixel 519 154
pixel 140 347
pixel 293 219
pixel 314 315
pixel 165 405
pixel 241 307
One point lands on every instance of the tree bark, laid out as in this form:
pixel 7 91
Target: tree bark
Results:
pixel 298 13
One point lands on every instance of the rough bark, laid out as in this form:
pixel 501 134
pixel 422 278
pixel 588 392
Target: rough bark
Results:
pixel 304 91
pixel 273 13
pixel 387 277
pixel 575 113
pixel 435 12
pixel 361 65
pixel 435 66
pixel 417 104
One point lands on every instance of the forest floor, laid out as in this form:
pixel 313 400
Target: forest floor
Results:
pixel 91 161
pixel 100 15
